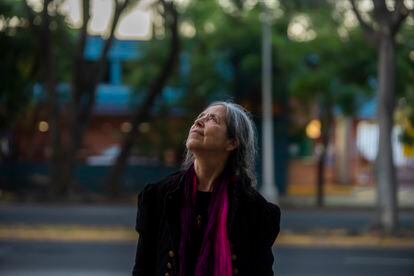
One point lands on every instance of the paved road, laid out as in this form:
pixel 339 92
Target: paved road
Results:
pixel 64 214
pixel 40 258
pixel 90 259
pixel 296 220
pixel 344 262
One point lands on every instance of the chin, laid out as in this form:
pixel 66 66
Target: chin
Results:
pixel 192 145
pixel 188 143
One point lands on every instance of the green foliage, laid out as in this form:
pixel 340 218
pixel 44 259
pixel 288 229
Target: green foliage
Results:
pixel 17 62
pixel 332 68
pixel 404 116
pixel 221 57
pixel 21 57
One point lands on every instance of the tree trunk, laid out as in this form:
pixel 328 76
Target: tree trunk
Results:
pixel 113 183
pixel 49 79
pixel 383 38
pixel 344 150
pixel 326 120
pixel 385 169
pixel 320 194
pixel 85 81
pixel 55 130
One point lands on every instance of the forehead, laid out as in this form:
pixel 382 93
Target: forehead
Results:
pixel 218 110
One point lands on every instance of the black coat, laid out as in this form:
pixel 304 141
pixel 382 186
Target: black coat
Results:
pixel 253 225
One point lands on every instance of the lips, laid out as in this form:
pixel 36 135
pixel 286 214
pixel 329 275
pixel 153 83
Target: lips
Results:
pixel 197 131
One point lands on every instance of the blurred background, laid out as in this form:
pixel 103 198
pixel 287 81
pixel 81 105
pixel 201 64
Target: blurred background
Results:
pixel 97 97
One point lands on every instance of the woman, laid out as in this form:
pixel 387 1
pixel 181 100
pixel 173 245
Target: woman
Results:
pixel 208 220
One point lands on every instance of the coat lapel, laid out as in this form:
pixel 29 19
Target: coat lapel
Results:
pixel 172 210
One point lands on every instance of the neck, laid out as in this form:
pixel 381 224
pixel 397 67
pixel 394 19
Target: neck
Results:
pixel 207 170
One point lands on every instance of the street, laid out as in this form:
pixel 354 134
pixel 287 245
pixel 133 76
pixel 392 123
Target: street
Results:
pixel 30 256
pixel 90 259
pixel 302 261
pixel 297 220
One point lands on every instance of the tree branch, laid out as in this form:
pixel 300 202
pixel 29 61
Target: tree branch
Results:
pixel 31 16
pixel 381 13
pixel 86 15
pixel 156 87
pixel 79 53
pixel 119 8
pixel 370 34
pixel 100 65
pixel 159 82
pixel 398 16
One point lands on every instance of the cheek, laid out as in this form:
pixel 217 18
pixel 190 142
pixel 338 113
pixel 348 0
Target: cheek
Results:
pixel 217 133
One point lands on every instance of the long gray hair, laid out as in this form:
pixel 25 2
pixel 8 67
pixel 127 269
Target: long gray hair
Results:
pixel 241 127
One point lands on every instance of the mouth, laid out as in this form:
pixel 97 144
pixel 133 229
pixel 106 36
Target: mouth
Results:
pixel 199 132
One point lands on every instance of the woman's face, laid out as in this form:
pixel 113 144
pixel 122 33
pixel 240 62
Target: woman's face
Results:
pixel 209 132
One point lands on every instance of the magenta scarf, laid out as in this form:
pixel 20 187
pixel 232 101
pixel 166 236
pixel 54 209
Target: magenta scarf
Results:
pixel 215 254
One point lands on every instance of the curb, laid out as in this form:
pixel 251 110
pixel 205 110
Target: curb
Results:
pixel 67 233
pixel 343 241
pixel 81 233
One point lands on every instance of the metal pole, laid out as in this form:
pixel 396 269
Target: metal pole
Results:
pixel 268 189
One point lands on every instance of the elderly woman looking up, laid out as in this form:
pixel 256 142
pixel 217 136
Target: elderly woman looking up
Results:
pixel 208 220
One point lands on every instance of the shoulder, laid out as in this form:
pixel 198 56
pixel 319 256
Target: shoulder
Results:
pixel 150 199
pixel 159 188
pixel 264 214
pixel 255 202
pixel 263 208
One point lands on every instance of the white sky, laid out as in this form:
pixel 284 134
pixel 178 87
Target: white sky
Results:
pixel 135 24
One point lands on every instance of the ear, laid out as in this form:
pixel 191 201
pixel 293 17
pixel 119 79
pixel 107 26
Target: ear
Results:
pixel 231 144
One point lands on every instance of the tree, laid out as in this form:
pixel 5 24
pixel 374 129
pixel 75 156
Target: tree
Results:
pixel 48 77
pixel 155 88
pixel 220 60
pixel 17 73
pixel 85 77
pixel 381 35
pixel 17 67
pixel 326 72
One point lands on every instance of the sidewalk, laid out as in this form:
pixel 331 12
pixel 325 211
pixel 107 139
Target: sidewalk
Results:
pixel 115 234
pixel 341 224
pixel 343 196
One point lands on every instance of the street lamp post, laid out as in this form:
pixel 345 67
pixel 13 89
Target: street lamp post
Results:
pixel 268 188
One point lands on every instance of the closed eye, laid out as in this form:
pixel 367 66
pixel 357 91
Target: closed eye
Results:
pixel 213 117
pixel 210 116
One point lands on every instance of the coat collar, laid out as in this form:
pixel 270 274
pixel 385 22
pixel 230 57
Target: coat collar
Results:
pixel 173 202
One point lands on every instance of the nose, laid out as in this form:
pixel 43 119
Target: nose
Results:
pixel 199 122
